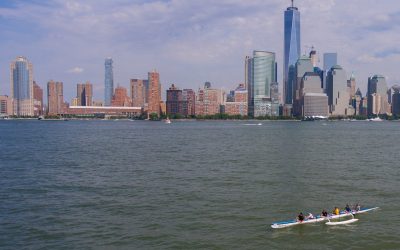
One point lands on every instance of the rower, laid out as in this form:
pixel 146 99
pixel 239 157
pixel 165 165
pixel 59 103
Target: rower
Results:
pixel 357 207
pixel 310 216
pixel 336 211
pixel 324 213
pixel 300 217
pixel 348 209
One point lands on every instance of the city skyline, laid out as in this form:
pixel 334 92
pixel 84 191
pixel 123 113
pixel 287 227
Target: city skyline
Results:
pixel 75 53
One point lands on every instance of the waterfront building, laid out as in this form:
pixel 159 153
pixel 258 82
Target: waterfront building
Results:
pixel 108 81
pixel 74 102
pixel 84 93
pixel 377 95
pixel 303 66
pixel 396 102
pixel 236 108
pixel 357 102
pixel 154 93
pixel 98 103
pixel 175 102
pixel 55 98
pixel 138 92
pixel 189 102
pixel 6 106
pixel 94 111
pixel 291 49
pixel 208 100
pixel 22 87
pixel 121 98
pixel 37 99
pixel 313 100
pixel 247 71
pixel 238 104
pixel 338 96
pixel 351 87
pixel 263 75
pixel 391 91
pixel 364 106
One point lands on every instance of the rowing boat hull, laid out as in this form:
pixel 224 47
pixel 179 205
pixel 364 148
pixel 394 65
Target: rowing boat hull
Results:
pixel 290 223
pixel 335 223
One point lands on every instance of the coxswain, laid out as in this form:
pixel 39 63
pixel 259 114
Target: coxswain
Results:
pixel 324 213
pixel 336 211
pixel 348 209
pixel 300 217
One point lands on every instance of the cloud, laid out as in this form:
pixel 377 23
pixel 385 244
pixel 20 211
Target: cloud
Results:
pixel 190 41
pixel 76 70
pixel 366 58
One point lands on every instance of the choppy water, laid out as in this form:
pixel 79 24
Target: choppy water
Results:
pixel 188 185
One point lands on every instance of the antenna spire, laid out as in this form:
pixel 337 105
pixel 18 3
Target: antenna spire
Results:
pixel 292 4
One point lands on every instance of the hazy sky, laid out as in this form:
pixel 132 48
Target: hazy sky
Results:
pixel 189 41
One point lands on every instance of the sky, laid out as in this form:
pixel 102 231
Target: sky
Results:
pixel 189 42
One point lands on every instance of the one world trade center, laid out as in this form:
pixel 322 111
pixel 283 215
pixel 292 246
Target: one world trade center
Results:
pixel 291 50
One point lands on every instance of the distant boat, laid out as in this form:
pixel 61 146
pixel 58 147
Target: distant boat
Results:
pixel 167 121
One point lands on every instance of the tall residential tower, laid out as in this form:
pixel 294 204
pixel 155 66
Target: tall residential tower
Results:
pixel 291 49
pixel 108 82
pixel 22 87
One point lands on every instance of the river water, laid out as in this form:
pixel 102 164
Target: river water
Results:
pixel 195 185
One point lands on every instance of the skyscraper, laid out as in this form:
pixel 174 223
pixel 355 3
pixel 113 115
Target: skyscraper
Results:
pixel 291 49
pixel 55 98
pixel 338 96
pixel 84 93
pixel 154 92
pixel 263 75
pixel 303 66
pixel 377 95
pixel 37 99
pixel 120 98
pixel 138 92
pixel 247 71
pixel 174 101
pixel 108 82
pixel 189 102
pixel 330 60
pixel 22 87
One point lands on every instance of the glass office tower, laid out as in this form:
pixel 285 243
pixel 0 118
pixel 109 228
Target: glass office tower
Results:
pixel 22 87
pixel 108 82
pixel 263 75
pixel 291 49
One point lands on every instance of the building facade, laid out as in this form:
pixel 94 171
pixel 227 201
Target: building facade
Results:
pixel 314 102
pixel 37 99
pixel 377 95
pixel 208 100
pixel 189 102
pixel 84 93
pixel 108 82
pixel 55 98
pixel 263 75
pixel 138 92
pixel 154 93
pixel 338 96
pixel 6 107
pixel 22 87
pixel 291 48
pixel 175 103
pixel 121 98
